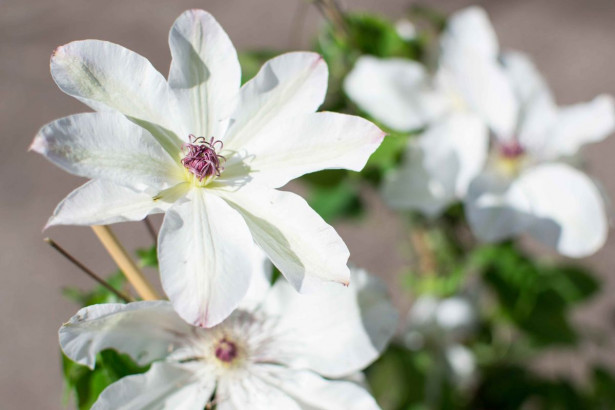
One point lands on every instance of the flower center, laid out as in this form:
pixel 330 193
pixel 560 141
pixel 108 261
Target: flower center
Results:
pixel 510 158
pixel 511 150
pixel 201 159
pixel 226 351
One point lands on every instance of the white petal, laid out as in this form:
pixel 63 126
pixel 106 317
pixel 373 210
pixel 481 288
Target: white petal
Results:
pixel 297 240
pixel 555 203
pixel 398 92
pixel 439 165
pixel 538 110
pixel 307 144
pixel 253 390
pixel 165 386
pixel 471 28
pixel 286 86
pixel 581 124
pixel 107 76
pixel 335 331
pixel 205 255
pixel 469 54
pixel 462 364
pixel 316 393
pixel 146 331
pixel 205 75
pixel 494 211
pixel 260 282
pixel 99 202
pixel 106 145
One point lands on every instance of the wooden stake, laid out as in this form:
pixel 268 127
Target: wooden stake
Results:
pixel 125 263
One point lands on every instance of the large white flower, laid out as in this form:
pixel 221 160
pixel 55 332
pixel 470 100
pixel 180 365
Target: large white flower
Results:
pixel 208 153
pixel 279 350
pixel 516 183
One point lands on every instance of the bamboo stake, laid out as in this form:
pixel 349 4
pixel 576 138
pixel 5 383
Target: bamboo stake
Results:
pixel 125 263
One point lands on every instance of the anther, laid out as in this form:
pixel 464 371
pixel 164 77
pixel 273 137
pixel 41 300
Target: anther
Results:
pixel 201 159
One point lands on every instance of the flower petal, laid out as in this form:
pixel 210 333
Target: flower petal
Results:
pixel 335 331
pixel 439 165
pixel 314 392
pixel 398 92
pixel 252 390
pixel 204 251
pixel 260 282
pixel 205 75
pixel 286 86
pixel 469 55
pixel 307 144
pixel 107 76
pixel 165 386
pixel 99 202
pixel 581 124
pixel 297 240
pixel 554 203
pixel 537 106
pixel 106 145
pixel 470 28
pixel 146 331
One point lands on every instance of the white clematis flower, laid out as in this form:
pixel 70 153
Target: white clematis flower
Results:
pixel 512 184
pixel 279 350
pixel 208 153
pixel 442 325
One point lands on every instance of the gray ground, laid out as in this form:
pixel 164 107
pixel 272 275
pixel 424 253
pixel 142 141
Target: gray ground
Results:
pixel 571 41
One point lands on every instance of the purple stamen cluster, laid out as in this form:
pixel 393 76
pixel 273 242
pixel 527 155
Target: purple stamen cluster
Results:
pixel 511 150
pixel 200 157
pixel 226 350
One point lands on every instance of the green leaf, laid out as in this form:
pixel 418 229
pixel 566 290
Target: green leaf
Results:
pixel 536 297
pixel 97 295
pixel 335 203
pixel 86 384
pixel 148 257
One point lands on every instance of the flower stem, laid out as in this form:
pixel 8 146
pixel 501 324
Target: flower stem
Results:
pixel 125 263
pixel 87 271
pixel 422 248
pixel 332 11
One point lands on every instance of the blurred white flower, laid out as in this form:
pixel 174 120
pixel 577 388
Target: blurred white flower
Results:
pixel 405 29
pixel 208 153
pixel 279 350
pixel 441 325
pixel 516 184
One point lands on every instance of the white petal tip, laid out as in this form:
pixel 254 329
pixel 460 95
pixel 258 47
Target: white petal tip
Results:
pixel 38 145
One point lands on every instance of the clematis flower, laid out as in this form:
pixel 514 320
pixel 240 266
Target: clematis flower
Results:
pixel 279 350
pixel 494 139
pixel 208 153
pixel 441 325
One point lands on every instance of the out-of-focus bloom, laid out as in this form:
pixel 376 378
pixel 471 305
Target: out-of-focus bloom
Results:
pixel 441 325
pixel 279 350
pixel 208 153
pixel 517 182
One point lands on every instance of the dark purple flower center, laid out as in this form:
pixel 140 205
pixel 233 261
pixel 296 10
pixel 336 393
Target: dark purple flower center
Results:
pixel 511 149
pixel 226 351
pixel 201 158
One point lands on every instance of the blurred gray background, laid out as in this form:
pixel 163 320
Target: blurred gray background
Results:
pixel 572 42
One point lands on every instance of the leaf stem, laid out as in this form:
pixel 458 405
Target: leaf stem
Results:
pixel 125 263
pixel 87 271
